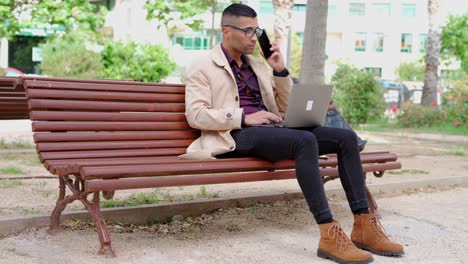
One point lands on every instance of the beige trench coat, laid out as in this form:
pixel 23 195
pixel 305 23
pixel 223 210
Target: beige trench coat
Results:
pixel 212 101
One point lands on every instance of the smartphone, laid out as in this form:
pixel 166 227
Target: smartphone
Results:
pixel 264 42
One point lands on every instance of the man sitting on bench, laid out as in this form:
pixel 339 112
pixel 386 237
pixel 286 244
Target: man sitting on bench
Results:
pixel 229 93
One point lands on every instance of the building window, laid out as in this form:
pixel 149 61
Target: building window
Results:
pixel 378 42
pixel 375 71
pixel 332 10
pixel 299 8
pixel 266 7
pixel 360 43
pixel 408 10
pixel 357 9
pixel 193 42
pixel 406 42
pixel 422 42
pixel 109 4
pixel 381 9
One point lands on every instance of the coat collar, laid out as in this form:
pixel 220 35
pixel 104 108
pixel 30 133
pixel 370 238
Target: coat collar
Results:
pixel 218 57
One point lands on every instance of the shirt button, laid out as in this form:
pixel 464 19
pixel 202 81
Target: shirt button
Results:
pixel 236 98
pixel 228 115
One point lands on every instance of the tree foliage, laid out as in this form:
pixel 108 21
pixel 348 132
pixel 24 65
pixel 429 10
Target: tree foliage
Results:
pixel 187 10
pixel 411 71
pixel 71 14
pixel 357 94
pixel 138 62
pixel 454 39
pixel 68 56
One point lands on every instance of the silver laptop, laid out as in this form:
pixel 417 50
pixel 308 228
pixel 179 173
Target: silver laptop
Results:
pixel 307 105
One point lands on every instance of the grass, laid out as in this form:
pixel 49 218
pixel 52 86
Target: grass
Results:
pixel 412 171
pixel 205 194
pixel 384 125
pixel 153 197
pixel 30 211
pixel 4 184
pixel 15 144
pixel 458 151
pixel 11 170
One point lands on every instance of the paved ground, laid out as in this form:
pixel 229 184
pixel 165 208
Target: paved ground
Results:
pixel 432 226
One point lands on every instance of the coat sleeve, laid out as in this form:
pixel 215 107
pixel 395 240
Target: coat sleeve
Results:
pixel 198 107
pixel 282 87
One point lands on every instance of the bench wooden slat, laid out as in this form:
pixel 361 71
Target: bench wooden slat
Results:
pixel 117 135
pixel 21 79
pixel 35 104
pixel 106 95
pixel 100 116
pixel 147 182
pixel 161 88
pixel 96 145
pixel 105 172
pixel 324 162
pixel 107 126
pixel 51 155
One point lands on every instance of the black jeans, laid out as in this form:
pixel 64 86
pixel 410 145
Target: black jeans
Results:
pixel 305 145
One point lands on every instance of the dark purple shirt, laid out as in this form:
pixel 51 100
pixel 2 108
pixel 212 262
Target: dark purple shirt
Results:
pixel 247 84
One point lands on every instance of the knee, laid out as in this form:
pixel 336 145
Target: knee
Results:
pixel 349 136
pixel 307 140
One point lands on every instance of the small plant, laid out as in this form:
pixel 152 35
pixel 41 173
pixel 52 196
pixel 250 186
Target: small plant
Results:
pixel 187 197
pixel 11 170
pixel 412 171
pixel 16 143
pixel 205 194
pixel 458 151
pixel 30 211
pixel 153 197
pixel 4 184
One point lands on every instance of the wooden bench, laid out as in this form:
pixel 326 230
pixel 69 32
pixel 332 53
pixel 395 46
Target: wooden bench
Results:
pixel 12 100
pixel 102 137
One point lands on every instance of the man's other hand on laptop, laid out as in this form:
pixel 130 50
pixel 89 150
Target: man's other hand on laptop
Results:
pixel 262 118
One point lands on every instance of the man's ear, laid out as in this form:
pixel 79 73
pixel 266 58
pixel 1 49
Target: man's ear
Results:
pixel 226 32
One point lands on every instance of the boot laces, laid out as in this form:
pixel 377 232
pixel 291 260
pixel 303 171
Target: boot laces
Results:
pixel 336 232
pixel 378 227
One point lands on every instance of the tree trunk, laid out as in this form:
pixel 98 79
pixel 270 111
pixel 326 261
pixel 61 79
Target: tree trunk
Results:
pixel 315 37
pixel 283 13
pixel 431 78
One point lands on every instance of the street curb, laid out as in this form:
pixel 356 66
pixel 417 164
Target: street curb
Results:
pixel 163 212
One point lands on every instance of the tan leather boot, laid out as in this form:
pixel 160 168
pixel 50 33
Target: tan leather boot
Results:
pixel 335 245
pixel 369 234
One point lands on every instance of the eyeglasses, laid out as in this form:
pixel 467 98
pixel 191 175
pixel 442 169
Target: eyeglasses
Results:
pixel 249 32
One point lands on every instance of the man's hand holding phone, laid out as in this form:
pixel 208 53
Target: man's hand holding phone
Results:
pixel 271 52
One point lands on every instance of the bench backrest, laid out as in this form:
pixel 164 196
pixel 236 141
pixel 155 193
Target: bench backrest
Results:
pixel 12 100
pixel 107 119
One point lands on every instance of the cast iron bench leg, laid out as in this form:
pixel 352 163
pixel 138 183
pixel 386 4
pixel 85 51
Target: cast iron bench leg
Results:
pixel 104 237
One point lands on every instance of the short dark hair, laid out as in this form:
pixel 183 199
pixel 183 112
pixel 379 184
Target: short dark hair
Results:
pixel 237 10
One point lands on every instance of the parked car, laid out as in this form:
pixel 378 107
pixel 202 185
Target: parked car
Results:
pixel 394 93
pixel 11 72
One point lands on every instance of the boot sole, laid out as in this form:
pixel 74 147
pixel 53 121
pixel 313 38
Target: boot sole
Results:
pixel 381 253
pixel 325 255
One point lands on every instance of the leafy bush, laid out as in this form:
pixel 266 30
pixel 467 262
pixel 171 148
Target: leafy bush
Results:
pixel 357 94
pixel 132 61
pixel 67 56
pixel 455 103
pixel 415 115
